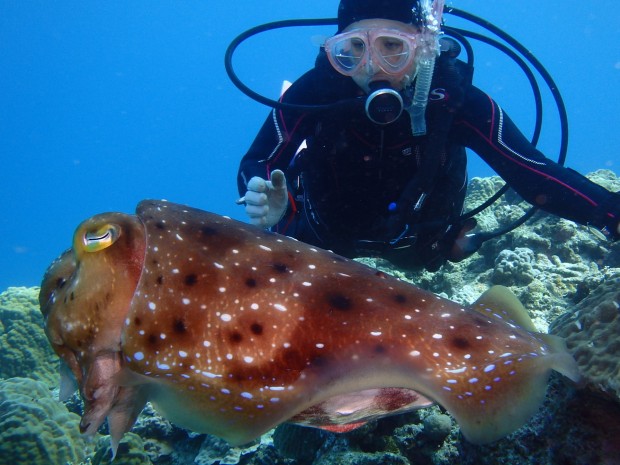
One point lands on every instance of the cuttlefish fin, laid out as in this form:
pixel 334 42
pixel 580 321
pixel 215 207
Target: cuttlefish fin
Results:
pixel 562 361
pixel 518 386
pixel 68 383
pixel 501 301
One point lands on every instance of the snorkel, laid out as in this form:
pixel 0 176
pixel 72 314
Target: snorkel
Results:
pixel 426 53
pixel 385 103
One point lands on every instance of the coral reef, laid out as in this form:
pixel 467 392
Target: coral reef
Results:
pixel 592 333
pixel 130 452
pixel 24 349
pixel 35 428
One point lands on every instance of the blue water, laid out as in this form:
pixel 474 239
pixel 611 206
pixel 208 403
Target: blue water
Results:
pixel 105 103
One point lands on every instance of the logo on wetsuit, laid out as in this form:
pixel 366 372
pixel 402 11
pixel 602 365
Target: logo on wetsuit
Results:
pixel 438 94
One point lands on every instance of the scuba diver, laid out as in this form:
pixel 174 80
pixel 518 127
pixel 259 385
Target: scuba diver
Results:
pixel 379 167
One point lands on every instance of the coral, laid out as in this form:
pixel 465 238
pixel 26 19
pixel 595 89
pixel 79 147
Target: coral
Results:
pixel 437 427
pixel 130 452
pixel 35 428
pixel 215 451
pixel 24 349
pixel 337 450
pixel 299 443
pixel 514 267
pixel 592 333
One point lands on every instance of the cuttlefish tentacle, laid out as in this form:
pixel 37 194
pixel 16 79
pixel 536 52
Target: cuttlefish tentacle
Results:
pixel 231 330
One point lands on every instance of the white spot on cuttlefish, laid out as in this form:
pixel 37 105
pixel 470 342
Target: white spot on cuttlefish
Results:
pixel 279 307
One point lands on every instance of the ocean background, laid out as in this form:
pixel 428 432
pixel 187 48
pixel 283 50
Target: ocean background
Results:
pixel 104 103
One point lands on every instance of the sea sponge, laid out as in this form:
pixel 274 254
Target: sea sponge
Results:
pixel 592 333
pixel 35 428
pixel 24 348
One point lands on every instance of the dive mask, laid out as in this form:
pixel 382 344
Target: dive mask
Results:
pixel 391 50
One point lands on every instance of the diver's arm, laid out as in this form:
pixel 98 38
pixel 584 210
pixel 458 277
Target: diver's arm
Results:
pixel 283 132
pixel 273 148
pixel 484 127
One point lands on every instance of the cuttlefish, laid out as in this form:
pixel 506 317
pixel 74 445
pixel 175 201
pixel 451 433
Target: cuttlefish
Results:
pixel 231 330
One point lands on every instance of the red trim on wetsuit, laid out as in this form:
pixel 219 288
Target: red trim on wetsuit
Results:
pixel 490 139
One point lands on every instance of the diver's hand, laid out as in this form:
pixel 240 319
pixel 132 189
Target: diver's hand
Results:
pixel 266 201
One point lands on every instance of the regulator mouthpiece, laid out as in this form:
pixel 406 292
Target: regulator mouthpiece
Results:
pixel 384 105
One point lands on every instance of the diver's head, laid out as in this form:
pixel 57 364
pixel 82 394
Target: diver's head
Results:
pixel 404 11
pixel 382 45
pixel 376 41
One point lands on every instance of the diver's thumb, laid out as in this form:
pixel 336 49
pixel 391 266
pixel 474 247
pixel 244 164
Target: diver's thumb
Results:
pixel 278 180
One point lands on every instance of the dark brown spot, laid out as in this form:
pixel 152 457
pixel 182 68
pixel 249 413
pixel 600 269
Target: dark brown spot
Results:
pixel 137 321
pixel 256 328
pixel 235 337
pixel 280 267
pixel 380 349
pixel 179 326
pixel 72 296
pixel 319 361
pixel 399 298
pixel 60 282
pixel 250 282
pixel 160 225
pixel 460 343
pixel 159 280
pixel 208 231
pixel 339 301
pixel 380 274
pixel 190 279
pixel 152 339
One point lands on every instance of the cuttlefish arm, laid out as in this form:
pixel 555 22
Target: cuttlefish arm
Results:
pixel 85 298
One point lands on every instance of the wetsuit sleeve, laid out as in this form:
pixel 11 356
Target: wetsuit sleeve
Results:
pixel 484 127
pixel 282 133
pixel 273 148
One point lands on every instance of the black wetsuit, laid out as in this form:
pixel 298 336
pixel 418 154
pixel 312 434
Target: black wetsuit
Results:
pixel 343 187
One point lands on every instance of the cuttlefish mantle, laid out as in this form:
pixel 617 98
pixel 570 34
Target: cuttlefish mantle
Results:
pixel 231 330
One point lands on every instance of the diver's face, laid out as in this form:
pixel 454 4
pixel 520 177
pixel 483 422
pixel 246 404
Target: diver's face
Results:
pixel 373 70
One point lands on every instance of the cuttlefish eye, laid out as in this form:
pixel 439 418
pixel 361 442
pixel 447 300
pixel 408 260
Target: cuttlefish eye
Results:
pixel 101 238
